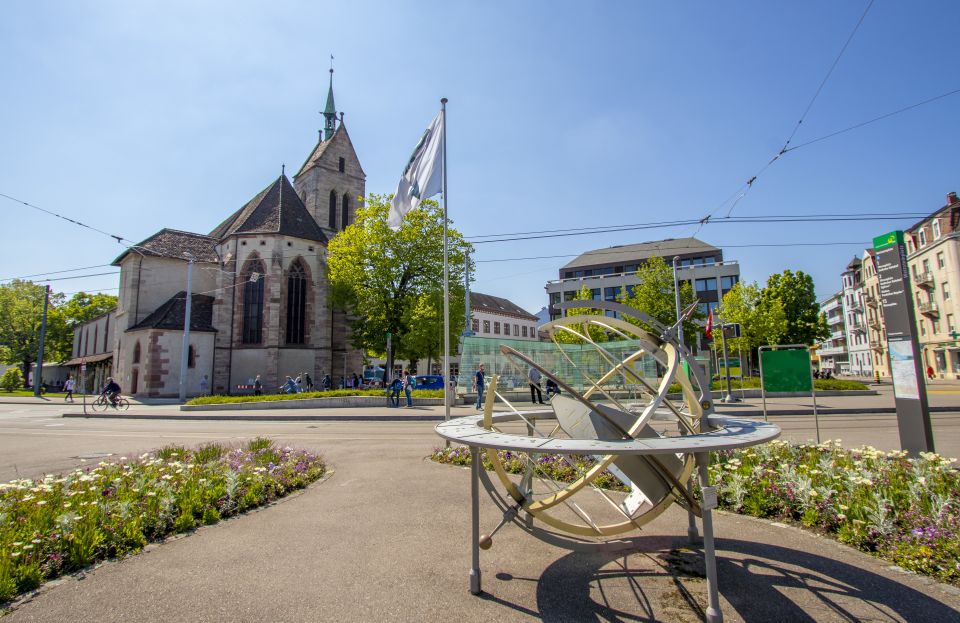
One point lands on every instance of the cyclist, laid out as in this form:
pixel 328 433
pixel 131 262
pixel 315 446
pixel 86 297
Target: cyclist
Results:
pixel 111 390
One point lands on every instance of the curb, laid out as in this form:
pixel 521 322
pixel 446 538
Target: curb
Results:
pixel 262 418
pixel 827 411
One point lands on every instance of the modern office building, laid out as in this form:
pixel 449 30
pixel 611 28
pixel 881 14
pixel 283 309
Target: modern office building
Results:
pixel 933 254
pixel 612 271
pixel 833 350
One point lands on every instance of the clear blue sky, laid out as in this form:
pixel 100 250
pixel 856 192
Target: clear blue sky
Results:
pixel 134 116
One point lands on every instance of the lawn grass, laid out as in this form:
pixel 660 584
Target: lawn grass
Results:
pixel 28 393
pixel 60 524
pixel 333 393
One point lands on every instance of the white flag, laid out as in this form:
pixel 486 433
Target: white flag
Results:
pixel 422 177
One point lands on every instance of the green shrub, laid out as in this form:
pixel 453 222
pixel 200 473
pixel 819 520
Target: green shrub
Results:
pixel 11 380
pixel 334 393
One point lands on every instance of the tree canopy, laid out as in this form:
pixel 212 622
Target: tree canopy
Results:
pixel 392 281
pixel 795 293
pixel 762 320
pixel 655 295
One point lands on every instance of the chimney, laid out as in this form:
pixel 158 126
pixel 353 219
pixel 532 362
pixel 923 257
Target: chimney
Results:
pixel 952 198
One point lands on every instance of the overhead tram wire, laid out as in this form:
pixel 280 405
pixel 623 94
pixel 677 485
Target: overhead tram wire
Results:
pixel 56 272
pixel 744 188
pixel 800 218
pixel 675 249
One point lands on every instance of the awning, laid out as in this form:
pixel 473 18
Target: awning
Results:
pixel 89 359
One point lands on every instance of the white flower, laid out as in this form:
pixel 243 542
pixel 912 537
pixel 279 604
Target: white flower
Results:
pixel 841 516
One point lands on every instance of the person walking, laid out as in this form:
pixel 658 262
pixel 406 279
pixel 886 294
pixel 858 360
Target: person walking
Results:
pixel 204 386
pixel 408 382
pixel 478 385
pixel 308 381
pixel 930 372
pixel 68 388
pixel 533 376
pixel 257 386
pixel 394 390
pixel 356 381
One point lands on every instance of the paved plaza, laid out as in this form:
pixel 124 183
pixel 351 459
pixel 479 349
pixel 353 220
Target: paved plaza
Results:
pixel 386 537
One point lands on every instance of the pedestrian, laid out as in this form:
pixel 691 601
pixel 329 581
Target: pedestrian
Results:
pixel 290 386
pixel 478 385
pixel 930 372
pixel 257 386
pixel 299 383
pixel 394 390
pixel 204 386
pixel 408 382
pixel 68 388
pixel 356 381
pixel 533 376
pixel 552 388
pixel 308 381
pixel 326 382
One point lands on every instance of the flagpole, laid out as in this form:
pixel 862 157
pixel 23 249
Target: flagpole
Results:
pixel 446 273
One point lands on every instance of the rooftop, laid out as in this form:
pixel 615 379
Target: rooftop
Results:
pixel 641 251
pixel 274 210
pixel 170 315
pixel 174 244
pixel 497 305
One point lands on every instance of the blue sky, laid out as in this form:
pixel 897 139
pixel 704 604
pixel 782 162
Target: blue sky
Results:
pixel 134 116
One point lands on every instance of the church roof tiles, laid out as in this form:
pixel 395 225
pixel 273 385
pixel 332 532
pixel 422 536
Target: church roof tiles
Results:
pixel 170 315
pixel 275 210
pixel 174 244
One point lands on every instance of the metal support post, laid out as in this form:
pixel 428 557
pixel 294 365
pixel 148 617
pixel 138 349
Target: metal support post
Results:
pixel 726 364
pixel 188 304
pixel 713 613
pixel 691 518
pixel 475 520
pixel 38 375
pixel 813 392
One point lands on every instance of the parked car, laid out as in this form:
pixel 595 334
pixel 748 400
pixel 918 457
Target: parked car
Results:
pixel 429 381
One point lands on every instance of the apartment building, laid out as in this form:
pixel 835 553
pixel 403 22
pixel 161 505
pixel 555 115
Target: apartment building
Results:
pixel 859 361
pixel 612 271
pixel 933 254
pixel 494 316
pixel 833 350
pixel 876 329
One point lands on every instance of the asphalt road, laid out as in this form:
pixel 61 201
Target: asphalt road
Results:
pixel 386 538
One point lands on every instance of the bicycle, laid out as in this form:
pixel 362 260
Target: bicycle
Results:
pixel 102 402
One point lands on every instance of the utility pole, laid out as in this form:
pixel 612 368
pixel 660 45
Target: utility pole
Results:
pixel 186 329
pixel 38 375
pixel 676 295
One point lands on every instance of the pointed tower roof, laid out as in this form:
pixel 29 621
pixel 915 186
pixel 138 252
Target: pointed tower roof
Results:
pixel 274 210
pixel 330 108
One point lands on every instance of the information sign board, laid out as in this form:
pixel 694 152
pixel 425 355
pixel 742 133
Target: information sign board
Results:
pixel 909 390
pixel 785 370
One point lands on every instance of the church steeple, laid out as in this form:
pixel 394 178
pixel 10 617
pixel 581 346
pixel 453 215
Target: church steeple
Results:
pixel 330 111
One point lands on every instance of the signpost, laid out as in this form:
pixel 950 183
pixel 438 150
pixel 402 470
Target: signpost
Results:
pixel 906 366
pixel 786 368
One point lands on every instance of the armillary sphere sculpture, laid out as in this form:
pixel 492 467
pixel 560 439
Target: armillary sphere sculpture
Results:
pixel 621 424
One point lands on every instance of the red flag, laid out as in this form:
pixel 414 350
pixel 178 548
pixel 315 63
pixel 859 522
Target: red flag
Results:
pixel 709 331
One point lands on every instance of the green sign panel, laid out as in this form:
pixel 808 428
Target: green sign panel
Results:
pixel 888 240
pixel 786 370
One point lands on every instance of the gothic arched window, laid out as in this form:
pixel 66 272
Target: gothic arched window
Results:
pixel 296 303
pixel 253 304
pixel 345 211
pixel 333 209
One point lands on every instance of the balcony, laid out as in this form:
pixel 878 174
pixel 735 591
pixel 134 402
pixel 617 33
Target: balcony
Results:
pixel 857 325
pixel 924 280
pixel 929 309
pixel 832 350
pixel 837 335
pixel 837 319
pixel 874 323
pixel 855 305
pixel 870 300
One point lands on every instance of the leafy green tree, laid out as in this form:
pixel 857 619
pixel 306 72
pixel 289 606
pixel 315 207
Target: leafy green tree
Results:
pixel 655 295
pixel 11 380
pixel 21 312
pixel 392 281
pixel 761 321
pixel 795 293
pixel 596 333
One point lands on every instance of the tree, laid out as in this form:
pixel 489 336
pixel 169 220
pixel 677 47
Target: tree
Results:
pixel 392 281
pixel 655 295
pixel 21 312
pixel 761 321
pixel 11 380
pixel 795 293
pixel 596 333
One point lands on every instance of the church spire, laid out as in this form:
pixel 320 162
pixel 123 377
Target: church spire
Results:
pixel 330 111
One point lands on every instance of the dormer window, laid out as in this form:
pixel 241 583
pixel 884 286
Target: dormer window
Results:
pixel 923 238
pixel 936 229
pixel 342 165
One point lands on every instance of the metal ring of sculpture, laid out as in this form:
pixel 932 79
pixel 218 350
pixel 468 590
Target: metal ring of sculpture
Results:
pixel 619 437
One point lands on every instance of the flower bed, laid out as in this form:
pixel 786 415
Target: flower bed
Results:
pixel 63 523
pixel 333 393
pixel 904 510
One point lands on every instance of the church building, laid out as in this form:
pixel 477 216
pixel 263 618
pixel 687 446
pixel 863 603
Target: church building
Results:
pixel 260 297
